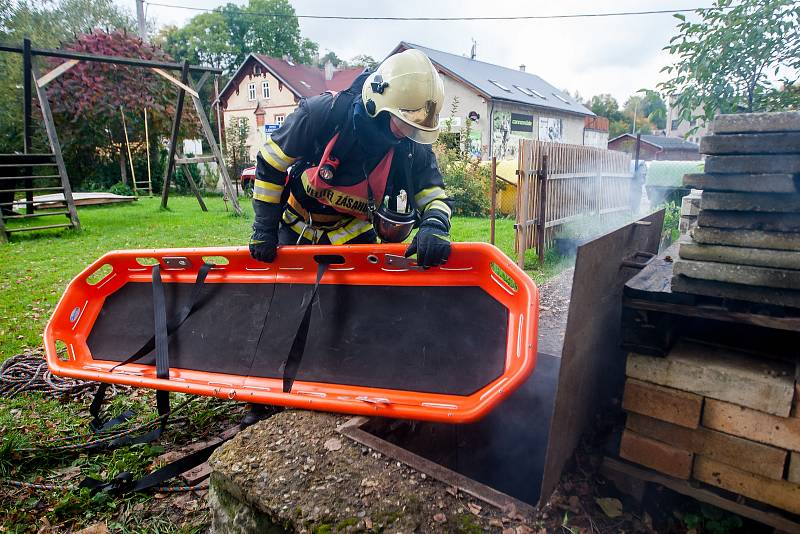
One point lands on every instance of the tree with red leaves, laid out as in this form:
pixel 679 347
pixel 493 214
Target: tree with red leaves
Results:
pixel 87 99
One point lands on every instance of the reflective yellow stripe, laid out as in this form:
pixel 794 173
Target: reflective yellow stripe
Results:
pixel 267 192
pixel 349 231
pixel 273 154
pixel 441 206
pixel 426 196
pixel 299 227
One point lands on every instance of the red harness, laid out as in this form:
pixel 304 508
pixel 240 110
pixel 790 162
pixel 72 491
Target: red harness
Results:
pixel 353 199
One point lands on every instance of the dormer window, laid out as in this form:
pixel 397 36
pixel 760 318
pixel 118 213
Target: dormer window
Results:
pixel 257 70
pixel 500 85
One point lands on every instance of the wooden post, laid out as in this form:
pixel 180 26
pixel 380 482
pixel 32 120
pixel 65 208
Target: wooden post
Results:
pixel 223 171
pixel 52 136
pixel 523 182
pixel 147 144
pixel 493 208
pixel 635 192
pixel 193 185
pixel 27 118
pixel 541 218
pixel 130 156
pixel 176 125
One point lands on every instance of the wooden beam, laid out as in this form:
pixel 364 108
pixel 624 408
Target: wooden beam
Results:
pixel 176 81
pixel 176 125
pixel 56 72
pixel 197 159
pixel 209 134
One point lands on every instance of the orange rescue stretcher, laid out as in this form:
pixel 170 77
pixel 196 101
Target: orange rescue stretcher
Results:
pixel 385 337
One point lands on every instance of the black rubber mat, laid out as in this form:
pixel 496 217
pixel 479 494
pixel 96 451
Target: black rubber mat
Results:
pixel 448 340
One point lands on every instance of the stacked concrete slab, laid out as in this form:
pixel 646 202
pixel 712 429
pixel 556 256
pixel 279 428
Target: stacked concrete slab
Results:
pixel 718 416
pixel 746 242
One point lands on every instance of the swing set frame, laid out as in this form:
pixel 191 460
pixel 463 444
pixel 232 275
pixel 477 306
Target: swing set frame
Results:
pixel 184 85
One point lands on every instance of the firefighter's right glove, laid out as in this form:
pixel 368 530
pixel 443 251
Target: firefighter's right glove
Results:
pixel 264 245
pixel 264 242
pixel 431 244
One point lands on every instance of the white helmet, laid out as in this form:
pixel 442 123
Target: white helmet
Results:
pixel 407 86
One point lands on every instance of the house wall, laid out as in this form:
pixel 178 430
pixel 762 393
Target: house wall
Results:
pixel 647 152
pixel 281 101
pixel 679 155
pixel 468 101
pixel 679 128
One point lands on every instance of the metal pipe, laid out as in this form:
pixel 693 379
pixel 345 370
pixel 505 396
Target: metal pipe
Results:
pixel 133 62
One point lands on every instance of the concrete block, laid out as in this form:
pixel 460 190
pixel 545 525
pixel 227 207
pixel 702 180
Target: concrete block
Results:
pixel 762 202
pixel 788 121
pixel 720 373
pixel 754 143
pixel 656 455
pixel 766 222
pixel 746 238
pixel 738 274
pixel 744 183
pixel 762 164
pixel 783 432
pixel 667 404
pixel 779 493
pixel 685 224
pixel 794 468
pixel 710 288
pixel 747 455
pixel 761 257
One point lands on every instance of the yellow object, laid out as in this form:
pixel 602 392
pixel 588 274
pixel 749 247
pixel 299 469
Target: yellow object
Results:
pixel 408 86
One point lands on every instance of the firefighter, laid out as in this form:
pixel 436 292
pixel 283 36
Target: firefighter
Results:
pixel 360 167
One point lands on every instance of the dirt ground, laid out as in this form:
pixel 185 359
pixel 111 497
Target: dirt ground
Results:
pixel 554 298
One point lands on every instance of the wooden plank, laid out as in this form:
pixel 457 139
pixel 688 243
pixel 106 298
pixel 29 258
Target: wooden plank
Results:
pixel 734 273
pixel 760 143
pixel 32 228
pixel 768 164
pixel 750 456
pixel 720 373
pixel 662 457
pixel 55 145
pixel 175 81
pixel 703 493
pixel 197 159
pixel 742 183
pixel 56 72
pixel 759 257
pixel 793 475
pixel 193 186
pixel 766 222
pixel 787 299
pixel 749 202
pixel 666 404
pixel 783 432
pixel 779 493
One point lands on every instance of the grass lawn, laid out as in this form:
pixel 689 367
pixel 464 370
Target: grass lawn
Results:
pixel 36 267
pixel 34 270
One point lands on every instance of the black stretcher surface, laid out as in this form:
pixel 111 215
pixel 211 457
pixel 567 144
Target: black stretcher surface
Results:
pixel 449 340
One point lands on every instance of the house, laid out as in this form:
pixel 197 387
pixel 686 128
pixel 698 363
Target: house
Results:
pixel 657 147
pixel 497 106
pixel 677 127
pixel 266 89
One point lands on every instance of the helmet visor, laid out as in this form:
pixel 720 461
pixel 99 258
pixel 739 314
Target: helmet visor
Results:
pixel 424 137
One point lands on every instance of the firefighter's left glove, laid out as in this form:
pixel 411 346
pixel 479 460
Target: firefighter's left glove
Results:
pixel 431 244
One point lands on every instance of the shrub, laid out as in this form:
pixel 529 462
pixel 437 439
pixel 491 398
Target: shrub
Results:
pixel 120 189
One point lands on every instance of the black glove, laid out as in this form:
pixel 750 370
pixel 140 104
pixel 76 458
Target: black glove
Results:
pixel 431 244
pixel 264 245
pixel 264 242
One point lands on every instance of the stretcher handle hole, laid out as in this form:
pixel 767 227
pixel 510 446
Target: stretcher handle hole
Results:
pixel 216 260
pixel 329 259
pixel 505 277
pixel 61 351
pixel 373 259
pixel 147 261
pixel 97 276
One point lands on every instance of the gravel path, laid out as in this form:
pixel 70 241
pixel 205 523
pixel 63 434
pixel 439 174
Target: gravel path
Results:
pixel 554 298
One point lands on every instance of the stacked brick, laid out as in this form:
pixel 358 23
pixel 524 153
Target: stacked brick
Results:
pixel 746 242
pixel 718 416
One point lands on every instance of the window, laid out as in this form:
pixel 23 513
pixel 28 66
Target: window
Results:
pixel 290 62
pixel 500 85
pixel 251 91
pixel 257 70
pixel 305 83
pixel 279 119
pixel 558 96
pixel 692 122
pixel 523 90
pixel 675 123
pixel 537 93
pixel 264 89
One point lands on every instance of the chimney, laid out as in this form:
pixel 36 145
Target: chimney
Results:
pixel 522 68
pixel 328 71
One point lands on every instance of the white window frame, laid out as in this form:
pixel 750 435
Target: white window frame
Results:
pixel 564 100
pixel 265 89
pixel 500 85
pixel 251 92
pixel 523 90
pixel 537 93
pixel 279 119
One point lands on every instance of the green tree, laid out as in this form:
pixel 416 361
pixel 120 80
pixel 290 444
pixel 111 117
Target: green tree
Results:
pixel 728 60
pixel 605 105
pixel 237 151
pixel 363 60
pixel 204 40
pixel 331 56
pixel 654 108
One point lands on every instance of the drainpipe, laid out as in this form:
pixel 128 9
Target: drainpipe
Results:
pixel 491 129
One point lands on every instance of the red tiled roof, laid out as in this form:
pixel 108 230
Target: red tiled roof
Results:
pixel 305 80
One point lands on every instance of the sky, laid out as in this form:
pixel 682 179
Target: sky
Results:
pixel 617 55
